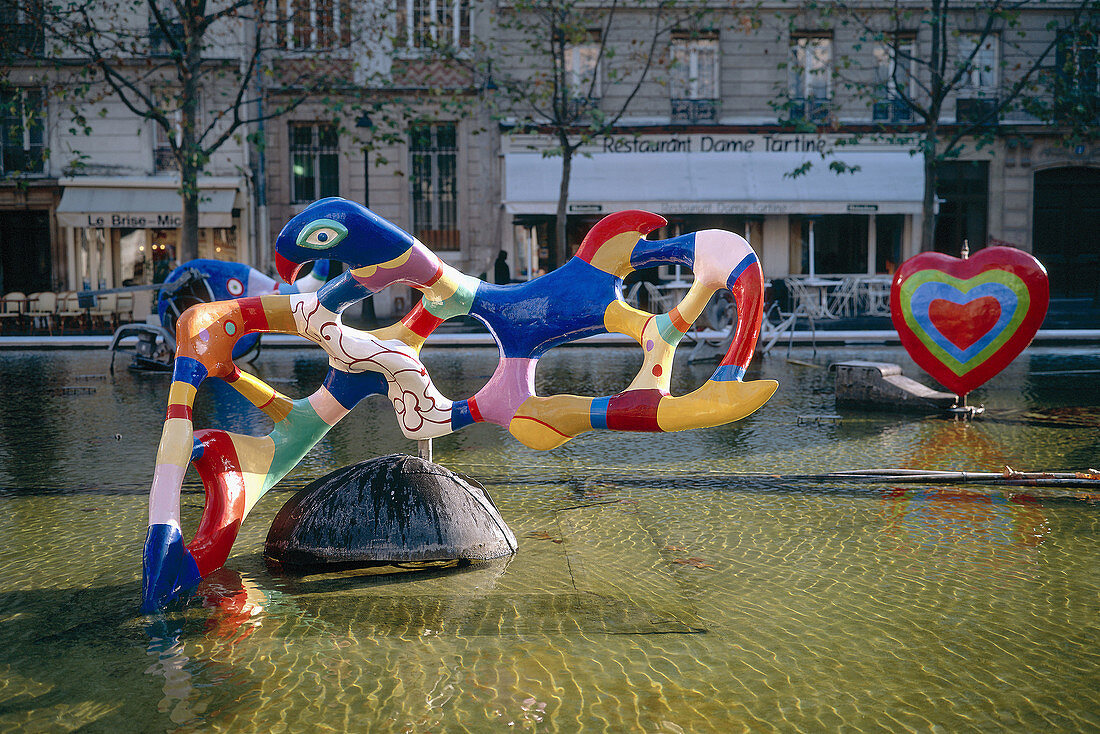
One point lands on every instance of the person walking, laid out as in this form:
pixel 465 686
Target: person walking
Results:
pixel 502 274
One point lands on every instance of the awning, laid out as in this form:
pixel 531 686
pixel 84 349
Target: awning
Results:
pixel 139 208
pixel 887 182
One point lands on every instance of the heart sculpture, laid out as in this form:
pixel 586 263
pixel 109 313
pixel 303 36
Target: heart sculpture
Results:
pixel 963 321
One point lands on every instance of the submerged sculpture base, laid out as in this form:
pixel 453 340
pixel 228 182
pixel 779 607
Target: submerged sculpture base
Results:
pixel 393 509
pixel 881 386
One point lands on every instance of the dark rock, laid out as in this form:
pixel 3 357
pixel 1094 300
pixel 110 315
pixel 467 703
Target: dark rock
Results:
pixel 387 510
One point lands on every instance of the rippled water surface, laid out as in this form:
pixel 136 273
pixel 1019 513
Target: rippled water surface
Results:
pixel 654 588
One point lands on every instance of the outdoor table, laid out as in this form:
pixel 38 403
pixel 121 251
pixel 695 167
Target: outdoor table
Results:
pixel 815 296
pixel 876 294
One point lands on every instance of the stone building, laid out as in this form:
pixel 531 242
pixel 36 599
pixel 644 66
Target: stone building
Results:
pixel 708 141
pixel 90 198
pixel 712 141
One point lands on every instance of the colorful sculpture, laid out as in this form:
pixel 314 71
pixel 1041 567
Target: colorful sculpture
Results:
pixel 205 281
pixel 582 298
pixel 964 320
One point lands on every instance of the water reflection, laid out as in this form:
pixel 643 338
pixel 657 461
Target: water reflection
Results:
pixel 677 597
pixel 946 444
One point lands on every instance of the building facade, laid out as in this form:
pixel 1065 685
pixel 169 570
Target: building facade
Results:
pixel 743 131
pixel 741 125
pixel 92 197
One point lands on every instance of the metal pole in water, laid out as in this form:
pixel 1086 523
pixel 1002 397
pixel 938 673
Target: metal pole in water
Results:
pixel 424 449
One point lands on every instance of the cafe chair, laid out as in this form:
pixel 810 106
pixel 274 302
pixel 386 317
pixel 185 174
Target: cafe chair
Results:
pixel 69 311
pixel 42 310
pixel 12 309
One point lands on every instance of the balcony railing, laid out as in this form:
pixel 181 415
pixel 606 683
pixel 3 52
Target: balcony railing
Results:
pixel 160 44
pixel 691 111
pixel 579 107
pixel 977 110
pixel 26 39
pixel 893 109
pixel 810 109
pixel 164 161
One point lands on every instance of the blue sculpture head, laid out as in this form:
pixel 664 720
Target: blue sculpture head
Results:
pixel 337 229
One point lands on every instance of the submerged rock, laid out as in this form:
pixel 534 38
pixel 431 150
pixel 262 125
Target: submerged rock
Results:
pixel 387 510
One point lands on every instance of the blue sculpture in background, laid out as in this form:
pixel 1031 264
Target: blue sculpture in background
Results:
pixel 206 281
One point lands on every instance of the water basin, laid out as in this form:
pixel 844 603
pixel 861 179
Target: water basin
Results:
pixel 662 583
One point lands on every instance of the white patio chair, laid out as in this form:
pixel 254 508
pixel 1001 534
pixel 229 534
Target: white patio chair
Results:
pixel 12 309
pixel 42 310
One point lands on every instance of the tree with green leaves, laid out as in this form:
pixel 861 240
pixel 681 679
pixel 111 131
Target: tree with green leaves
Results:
pixel 912 66
pixel 572 69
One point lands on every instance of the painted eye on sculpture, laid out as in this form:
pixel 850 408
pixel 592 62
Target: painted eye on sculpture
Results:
pixel 322 234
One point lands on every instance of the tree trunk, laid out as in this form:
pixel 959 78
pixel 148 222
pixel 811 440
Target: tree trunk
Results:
pixel 929 206
pixel 561 248
pixel 189 227
pixel 191 158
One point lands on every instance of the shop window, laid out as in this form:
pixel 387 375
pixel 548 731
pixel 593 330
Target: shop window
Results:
pixel 889 229
pixel 963 188
pixel 434 181
pixel 132 256
pixel 314 24
pixel 809 82
pixel 21 118
pixel 693 77
pixel 426 24
pixel 895 65
pixel 840 244
pixel 218 243
pixel 314 161
pixel 25 261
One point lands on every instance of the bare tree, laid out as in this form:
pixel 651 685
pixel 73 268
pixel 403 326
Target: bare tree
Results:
pixel 205 72
pixel 556 58
pixel 912 63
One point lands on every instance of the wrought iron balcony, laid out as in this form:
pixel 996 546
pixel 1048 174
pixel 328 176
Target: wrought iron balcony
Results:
pixel 977 110
pixel 811 109
pixel 22 39
pixel 691 111
pixel 580 107
pixel 893 109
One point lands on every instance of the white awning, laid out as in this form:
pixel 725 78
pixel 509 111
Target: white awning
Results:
pixel 139 208
pixel 887 182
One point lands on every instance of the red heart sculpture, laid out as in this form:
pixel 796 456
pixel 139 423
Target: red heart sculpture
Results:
pixel 963 321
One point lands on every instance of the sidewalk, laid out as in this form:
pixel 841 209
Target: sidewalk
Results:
pixel 1068 321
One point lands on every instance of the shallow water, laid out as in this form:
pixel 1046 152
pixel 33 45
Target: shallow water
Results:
pixel 654 589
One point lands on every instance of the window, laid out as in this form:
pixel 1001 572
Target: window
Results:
pixel 424 24
pixel 1077 73
pixel 895 65
pixel 163 159
pixel 977 99
pixel 809 69
pixel 693 78
pixel 314 24
pixel 980 78
pixel 21 116
pixel 163 40
pixel 433 159
pixel 21 28
pixel 314 162
pixel 582 68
